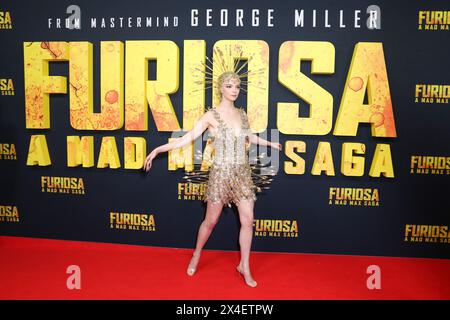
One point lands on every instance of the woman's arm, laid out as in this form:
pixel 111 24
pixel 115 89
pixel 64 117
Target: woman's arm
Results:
pixel 257 140
pixel 199 127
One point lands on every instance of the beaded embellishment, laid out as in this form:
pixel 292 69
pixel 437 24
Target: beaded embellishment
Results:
pixel 231 177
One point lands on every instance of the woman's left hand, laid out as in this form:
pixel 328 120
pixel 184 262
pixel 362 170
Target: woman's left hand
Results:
pixel 276 145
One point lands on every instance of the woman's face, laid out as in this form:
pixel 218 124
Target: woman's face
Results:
pixel 230 89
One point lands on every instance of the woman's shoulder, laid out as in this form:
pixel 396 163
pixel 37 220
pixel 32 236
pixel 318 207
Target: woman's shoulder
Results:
pixel 242 109
pixel 209 112
pixel 210 109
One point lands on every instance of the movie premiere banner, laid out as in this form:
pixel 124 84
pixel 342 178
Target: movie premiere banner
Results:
pixel 357 93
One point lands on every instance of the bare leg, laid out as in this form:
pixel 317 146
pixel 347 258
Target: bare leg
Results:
pixel 213 211
pixel 245 208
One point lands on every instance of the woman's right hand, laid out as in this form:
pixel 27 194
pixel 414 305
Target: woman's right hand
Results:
pixel 149 159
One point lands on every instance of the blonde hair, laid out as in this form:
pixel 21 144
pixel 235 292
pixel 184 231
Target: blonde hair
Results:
pixel 225 77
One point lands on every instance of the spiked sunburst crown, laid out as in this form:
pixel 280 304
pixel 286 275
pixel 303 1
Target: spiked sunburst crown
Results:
pixel 229 59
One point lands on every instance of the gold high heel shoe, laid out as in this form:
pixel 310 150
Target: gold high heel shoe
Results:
pixel 192 269
pixel 251 283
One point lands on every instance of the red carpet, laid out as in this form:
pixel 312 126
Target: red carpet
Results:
pixel 36 269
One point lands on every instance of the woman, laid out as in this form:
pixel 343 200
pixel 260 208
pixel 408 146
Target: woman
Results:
pixel 230 175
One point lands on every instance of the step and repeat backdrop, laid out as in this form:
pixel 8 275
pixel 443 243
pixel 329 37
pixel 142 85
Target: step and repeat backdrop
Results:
pixel 357 93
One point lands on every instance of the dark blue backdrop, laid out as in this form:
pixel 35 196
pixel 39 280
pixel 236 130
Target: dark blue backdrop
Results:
pixel 412 57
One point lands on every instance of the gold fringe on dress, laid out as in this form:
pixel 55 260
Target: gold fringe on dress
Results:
pixel 232 177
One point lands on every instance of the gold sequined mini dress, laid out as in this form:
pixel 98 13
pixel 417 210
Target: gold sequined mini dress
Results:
pixel 230 175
